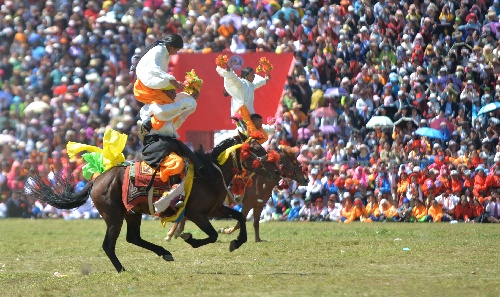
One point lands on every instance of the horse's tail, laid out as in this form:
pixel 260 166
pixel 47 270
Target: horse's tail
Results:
pixel 60 195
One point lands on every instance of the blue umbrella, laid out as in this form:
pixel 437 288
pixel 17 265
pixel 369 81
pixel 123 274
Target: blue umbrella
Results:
pixel 489 107
pixel 286 11
pixel 429 132
pixel 332 92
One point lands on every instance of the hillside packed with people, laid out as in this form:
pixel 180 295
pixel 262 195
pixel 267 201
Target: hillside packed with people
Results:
pixel 391 105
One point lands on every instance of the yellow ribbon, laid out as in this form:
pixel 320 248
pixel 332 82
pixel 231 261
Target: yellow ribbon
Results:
pixel 113 146
pixel 222 158
pixel 188 185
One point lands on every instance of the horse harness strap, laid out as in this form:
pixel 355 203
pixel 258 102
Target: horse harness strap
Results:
pixel 224 181
pixel 150 200
pixel 235 161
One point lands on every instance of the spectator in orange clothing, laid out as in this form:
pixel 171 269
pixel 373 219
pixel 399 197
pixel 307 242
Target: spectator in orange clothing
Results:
pixel 419 212
pixel 464 211
pixel 456 183
pixel 476 160
pixel 468 180
pixel 480 188
pixel 402 185
pixel 387 211
pixel 436 214
pixel 299 117
pixel 478 209
pixel 358 212
pixel 493 180
pixel 372 208
pixel 445 179
pixel 347 208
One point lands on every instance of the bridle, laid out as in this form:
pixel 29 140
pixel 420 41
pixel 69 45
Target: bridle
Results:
pixel 237 163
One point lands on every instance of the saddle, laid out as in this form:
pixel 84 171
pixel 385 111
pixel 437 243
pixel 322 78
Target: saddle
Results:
pixel 136 179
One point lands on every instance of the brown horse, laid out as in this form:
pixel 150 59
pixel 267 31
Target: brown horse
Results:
pixel 207 196
pixel 257 195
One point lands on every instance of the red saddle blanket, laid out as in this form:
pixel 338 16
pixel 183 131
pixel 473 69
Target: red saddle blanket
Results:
pixel 136 179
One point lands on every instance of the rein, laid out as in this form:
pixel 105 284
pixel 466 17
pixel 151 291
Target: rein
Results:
pixel 238 164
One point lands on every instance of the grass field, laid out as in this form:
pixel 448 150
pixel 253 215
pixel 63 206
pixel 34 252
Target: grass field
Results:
pixel 298 259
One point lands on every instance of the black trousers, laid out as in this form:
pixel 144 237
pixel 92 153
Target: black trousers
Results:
pixel 157 147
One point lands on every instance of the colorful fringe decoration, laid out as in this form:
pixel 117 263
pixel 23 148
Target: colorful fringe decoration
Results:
pixel 99 160
pixel 264 66
pixel 222 61
pixel 192 83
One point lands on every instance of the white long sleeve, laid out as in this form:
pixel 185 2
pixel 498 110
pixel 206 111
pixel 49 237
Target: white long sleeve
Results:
pixel 167 112
pixel 183 106
pixel 151 69
pixel 241 90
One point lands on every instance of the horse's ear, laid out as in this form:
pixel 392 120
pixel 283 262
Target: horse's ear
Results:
pixel 243 137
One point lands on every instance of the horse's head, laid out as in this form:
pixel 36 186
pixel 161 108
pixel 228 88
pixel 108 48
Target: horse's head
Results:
pixel 291 168
pixel 254 158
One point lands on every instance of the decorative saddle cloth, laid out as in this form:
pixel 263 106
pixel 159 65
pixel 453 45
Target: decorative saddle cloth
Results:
pixel 137 177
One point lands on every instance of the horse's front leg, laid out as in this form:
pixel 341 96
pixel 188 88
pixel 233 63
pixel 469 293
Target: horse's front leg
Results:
pixel 227 212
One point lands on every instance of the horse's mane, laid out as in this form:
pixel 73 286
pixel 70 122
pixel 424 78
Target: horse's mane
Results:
pixel 208 157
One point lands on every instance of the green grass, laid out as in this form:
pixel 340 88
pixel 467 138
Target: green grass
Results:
pixel 298 259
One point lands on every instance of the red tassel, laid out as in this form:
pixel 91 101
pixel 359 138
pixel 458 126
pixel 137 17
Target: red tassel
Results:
pixel 256 164
pixel 245 151
pixel 257 135
pixel 273 156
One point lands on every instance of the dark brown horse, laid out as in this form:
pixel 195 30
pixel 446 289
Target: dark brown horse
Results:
pixel 257 195
pixel 207 196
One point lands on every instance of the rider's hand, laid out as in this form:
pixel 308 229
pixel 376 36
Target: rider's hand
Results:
pixel 196 94
pixel 177 84
pixel 267 77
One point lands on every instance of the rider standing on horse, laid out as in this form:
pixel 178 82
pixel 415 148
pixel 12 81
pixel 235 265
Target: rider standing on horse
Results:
pixel 242 93
pixel 164 111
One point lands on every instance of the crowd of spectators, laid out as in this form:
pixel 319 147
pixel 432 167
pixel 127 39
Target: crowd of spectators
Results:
pixel 422 64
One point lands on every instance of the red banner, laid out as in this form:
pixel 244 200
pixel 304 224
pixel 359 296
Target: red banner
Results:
pixel 213 110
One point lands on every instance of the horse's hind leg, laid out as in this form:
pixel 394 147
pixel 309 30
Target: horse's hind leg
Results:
pixel 114 226
pixel 204 224
pixel 134 237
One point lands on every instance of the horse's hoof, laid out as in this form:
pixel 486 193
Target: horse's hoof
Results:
pixel 186 236
pixel 232 246
pixel 168 258
pixel 167 239
pixel 226 230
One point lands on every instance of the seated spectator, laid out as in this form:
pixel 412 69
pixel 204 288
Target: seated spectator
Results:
pixel 419 212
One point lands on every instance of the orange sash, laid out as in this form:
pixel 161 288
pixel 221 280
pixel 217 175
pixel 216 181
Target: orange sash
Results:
pixel 148 95
pixel 245 114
